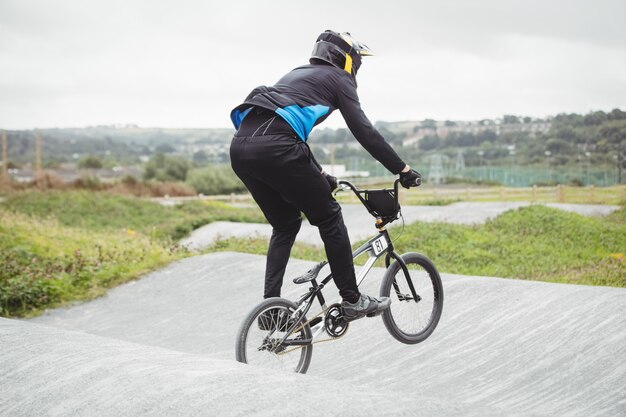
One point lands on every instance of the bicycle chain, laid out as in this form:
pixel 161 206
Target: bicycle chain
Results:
pixel 313 343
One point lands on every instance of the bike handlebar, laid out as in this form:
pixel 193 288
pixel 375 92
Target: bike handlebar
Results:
pixel 417 183
pixel 383 204
pixel 357 190
pixel 379 209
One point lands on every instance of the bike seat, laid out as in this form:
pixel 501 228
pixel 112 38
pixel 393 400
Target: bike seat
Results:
pixel 310 275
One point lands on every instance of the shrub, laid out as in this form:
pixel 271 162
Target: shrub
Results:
pixel 47 181
pixel 90 162
pixel 88 182
pixel 133 187
pixel 166 168
pixel 214 179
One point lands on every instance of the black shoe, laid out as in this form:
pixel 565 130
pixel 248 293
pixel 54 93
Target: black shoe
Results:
pixel 365 306
pixel 276 319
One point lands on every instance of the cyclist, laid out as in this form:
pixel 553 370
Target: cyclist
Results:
pixel 270 155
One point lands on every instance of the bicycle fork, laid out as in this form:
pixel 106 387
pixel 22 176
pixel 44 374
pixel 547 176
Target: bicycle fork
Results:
pixel 376 247
pixel 405 271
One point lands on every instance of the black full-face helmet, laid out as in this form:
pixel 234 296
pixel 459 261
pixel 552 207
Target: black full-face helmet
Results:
pixel 340 50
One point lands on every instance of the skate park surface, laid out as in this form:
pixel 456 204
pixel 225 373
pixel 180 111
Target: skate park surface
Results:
pixel 164 345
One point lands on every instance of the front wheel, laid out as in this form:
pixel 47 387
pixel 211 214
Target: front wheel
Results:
pixel 261 338
pixel 413 315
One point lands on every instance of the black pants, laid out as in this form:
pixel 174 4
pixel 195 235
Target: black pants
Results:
pixel 278 171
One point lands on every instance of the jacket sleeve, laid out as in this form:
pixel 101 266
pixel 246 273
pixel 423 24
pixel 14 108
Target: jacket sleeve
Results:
pixel 362 128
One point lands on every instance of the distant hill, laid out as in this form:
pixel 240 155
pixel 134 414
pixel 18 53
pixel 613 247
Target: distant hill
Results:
pixel 566 148
pixel 123 143
pixel 512 150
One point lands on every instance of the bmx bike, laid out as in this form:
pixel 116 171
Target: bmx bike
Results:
pixel 277 334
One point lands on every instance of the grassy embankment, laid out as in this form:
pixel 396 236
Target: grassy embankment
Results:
pixel 57 247
pixel 533 243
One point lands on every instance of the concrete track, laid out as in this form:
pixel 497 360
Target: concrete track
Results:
pixel 360 223
pixel 503 347
pixel 53 372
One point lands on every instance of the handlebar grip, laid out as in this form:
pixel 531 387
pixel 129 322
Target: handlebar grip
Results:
pixel 414 183
pixel 411 179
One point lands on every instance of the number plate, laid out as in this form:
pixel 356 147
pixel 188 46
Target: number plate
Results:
pixel 379 245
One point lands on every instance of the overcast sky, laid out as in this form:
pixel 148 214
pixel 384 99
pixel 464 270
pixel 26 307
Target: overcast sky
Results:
pixel 186 63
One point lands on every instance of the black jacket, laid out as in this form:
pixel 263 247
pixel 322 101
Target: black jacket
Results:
pixel 306 96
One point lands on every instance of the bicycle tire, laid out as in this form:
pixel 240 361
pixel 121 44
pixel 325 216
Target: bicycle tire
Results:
pixel 427 283
pixel 250 332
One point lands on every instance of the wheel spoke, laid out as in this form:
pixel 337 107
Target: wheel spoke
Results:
pixel 260 338
pixel 408 319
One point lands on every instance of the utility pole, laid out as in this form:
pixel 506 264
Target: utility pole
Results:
pixel 435 173
pixel 5 167
pixel 620 161
pixel 548 154
pixel 480 163
pixel 460 162
pixel 37 153
pixel 588 155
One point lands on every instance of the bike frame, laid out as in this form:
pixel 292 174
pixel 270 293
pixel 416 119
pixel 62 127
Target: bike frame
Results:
pixel 375 247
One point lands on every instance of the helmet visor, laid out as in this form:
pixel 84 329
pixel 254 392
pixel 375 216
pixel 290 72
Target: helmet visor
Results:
pixel 357 46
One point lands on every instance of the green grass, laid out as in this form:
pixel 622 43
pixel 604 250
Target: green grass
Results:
pixel 102 211
pixel 536 243
pixel 58 247
pixel 533 243
pixel 440 202
pixel 61 246
pixel 447 194
pixel 45 263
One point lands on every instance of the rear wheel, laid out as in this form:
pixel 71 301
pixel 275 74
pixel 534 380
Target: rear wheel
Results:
pixel 408 319
pixel 260 338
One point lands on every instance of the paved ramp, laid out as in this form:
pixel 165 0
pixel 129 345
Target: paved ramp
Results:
pixel 51 372
pixel 503 347
pixel 360 223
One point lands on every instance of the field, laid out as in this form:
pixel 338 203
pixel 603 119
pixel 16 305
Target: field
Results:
pixel 62 246
pixel 59 247
pixel 533 243
pixel 446 194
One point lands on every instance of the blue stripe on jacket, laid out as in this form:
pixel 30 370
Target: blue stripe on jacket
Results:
pixel 302 119
pixel 237 116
